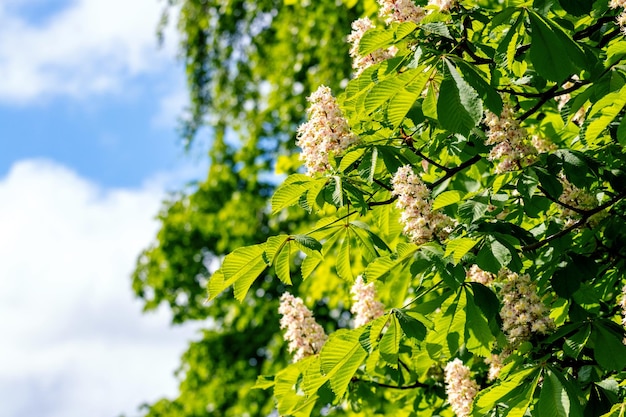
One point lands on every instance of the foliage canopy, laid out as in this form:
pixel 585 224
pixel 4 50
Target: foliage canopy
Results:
pixel 494 132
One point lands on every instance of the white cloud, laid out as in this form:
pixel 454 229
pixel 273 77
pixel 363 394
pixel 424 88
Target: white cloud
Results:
pixel 90 46
pixel 75 342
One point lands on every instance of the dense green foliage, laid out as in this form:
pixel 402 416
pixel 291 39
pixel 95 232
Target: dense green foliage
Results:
pixel 511 116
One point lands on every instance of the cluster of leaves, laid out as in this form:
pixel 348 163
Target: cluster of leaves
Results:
pixel 425 107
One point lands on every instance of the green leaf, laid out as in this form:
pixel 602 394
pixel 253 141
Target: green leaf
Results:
pixel 549 182
pixel 307 244
pixel 216 284
pixel 574 345
pixel 459 247
pixel 472 210
pixel 478 336
pixel 242 267
pixel 383 265
pixel 373 40
pixel 459 107
pixel 511 397
pixel 390 343
pixel 447 198
pixel 350 158
pixel 608 349
pixel 508 46
pixel 448 335
pixel 288 194
pixel 553 53
pixel 603 112
pixel 555 399
pixel 493 255
pixel 282 264
pixel 411 326
pixel 338 192
pixel 264 382
pixel 340 358
pixel 344 268
pixel 490 96
pixel 429 105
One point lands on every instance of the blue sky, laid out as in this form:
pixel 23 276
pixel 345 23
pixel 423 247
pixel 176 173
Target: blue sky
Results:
pixel 88 109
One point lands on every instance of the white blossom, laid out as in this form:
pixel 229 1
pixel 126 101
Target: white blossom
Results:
pixel 523 313
pixel 420 222
pixel 325 132
pixel 577 198
pixel 305 336
pixel 475 274
pixel 512 147
pixel 361 63
pixel 400 11
pixel 366 307
pixel 460 387
pixel 621 19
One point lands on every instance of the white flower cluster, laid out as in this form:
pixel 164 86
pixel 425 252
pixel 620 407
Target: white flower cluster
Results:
pixel 400 11
pixel 475 274
pixel 496 362
pixel 327 131
pixel 621 19
pixel 577 198
pixel 361 63
pixel 511 148
pixel 444 5
pixel 366 307
pixel 523 312
pixel 420 222
pixel 305 336
pixel 460 387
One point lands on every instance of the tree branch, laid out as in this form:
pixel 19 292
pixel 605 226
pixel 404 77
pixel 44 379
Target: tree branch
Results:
pixel 450 172
pixel 560 203
pixel 580 222
pixel 416 384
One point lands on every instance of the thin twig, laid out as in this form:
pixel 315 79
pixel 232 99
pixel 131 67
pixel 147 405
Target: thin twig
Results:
pixel 580 222
pixel 416 384
pixel 560 203
pixel 452 171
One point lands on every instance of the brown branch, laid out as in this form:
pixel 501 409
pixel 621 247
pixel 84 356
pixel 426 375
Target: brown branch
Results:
pixel 543 100
pixel 560 203
pixel 580 222
pixel 382 203
pixel 452 171
pixel 588 31
pixel 416 384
